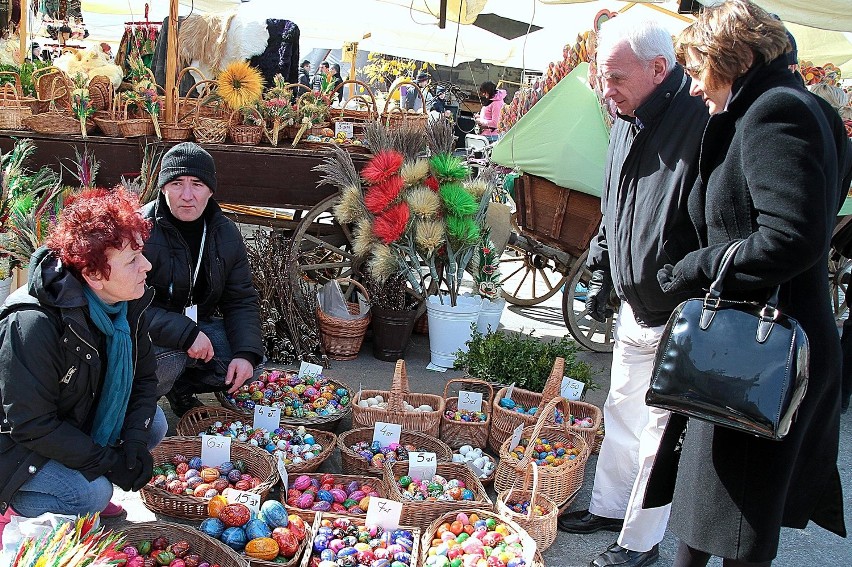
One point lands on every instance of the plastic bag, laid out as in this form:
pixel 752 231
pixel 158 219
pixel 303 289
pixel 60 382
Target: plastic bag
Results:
pixel 331 301
pixel 21 528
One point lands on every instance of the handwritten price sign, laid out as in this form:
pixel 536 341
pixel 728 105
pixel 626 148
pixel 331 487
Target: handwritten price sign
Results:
pixel 215 450
pixel 516 436
pixel 267 417
pixel 307 369
pixel 422 466
pixel 386 433
pixel 571 389
pixel 470 401
pixel 384 513
pixel 510 390
pixel 249 499
pixel 348 129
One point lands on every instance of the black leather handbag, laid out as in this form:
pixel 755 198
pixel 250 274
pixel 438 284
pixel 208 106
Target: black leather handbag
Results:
pixel 732 363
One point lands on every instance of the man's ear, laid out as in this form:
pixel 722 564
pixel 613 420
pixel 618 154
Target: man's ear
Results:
pixel 94 279
pixel 660 68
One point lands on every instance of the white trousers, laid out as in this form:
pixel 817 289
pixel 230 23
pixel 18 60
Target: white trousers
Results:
pixel 633 433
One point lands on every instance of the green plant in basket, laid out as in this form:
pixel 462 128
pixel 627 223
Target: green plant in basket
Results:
pixel 506 357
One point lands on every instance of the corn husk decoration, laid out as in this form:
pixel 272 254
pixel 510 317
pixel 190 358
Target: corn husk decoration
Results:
pixel 240 85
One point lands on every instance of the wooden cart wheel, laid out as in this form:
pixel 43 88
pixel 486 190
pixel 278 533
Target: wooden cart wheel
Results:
pixel 838 285
pixel 527 278
pixel 591 334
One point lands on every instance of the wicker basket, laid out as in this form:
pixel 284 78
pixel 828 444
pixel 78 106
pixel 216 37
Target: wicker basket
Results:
pixel 308 515
pixel 430 533
pixel 542 527
pixel 599 437
pixel 100 92
pixel 56 122
pixel 212 107
pixel 28 101
pixel 245 134
pixel 457 433
pixel 208 129
pixel 426 421
pixel 181 129
pixel 134 127
pixel 357 116
pixel 342 338
pixel 197 420
pixel 258 462
pixel 210 550
pixel 53 89
pixel 396 117
pixel 325 518
pixel 420 513
pixel 11 109
pixel 559 483
pixel 354 463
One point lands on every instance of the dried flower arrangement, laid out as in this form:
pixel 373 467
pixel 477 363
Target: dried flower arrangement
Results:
pixel 81 104
pixel 276 107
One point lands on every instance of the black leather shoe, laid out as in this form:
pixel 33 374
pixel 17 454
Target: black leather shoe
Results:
pixel 584 522
pixel 618 556
pixel 182 403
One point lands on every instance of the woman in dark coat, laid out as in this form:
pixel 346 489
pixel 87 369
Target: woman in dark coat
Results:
pixel 768 175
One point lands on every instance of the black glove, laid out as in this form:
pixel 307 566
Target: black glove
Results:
pixel 138 459
pixel 121 476
pixel 665 277
pixel 597 298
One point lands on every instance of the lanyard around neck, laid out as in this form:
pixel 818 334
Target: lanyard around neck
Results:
pixel 198 264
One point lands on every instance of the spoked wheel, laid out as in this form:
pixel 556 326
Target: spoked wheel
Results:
pixel 528 279
pixel 838 282
pixel 590 333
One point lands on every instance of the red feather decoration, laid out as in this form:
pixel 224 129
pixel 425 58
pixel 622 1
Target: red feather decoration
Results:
pixel 432 183
pixel 382 166
pixel 380 195
pixel 390 225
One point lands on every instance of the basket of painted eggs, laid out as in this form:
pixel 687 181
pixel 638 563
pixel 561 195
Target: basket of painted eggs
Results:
pixel 559 453
pixel 522 407
pixel 342 494
pixel 360 454
pixel 424 415
pixel 270 537
pixel 453 487
pixel 302 449
pixel 531 510
pixel 480 462
pixel 476 537
pixel 347 542
pixel 312 401
pixel 183 484
pixel 466 426
pixel 166 543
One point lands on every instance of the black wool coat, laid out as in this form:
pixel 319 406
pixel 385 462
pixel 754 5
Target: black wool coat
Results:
pixel 768 175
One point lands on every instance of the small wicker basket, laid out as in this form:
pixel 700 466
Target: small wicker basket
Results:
pixel 308 515
pixel 56 122
pixel 134 127
pixel 245 134
pixel 396 117
pixel 212 551
pixel 457 433
pixel 53 89
pixel 28 101
pixel 258 462
pixel 542 527
pixel 342 338
pixel 208 129
pixel 425 421
pixel 311 558
pixel 12 111
pixel 354 463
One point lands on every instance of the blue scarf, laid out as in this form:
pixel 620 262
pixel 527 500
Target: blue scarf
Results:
pixel 112 322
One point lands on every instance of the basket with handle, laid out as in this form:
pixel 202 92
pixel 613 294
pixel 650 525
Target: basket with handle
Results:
pixel 207 129
pixel 327 520
pixel 560 482
pixel 134 127
pixel 53 89
pixel 211 550
pixel 56 122
pixel 541 526
pixel 342 338
pixel 354 463
pixel 395 412
pixel 181 129
pixel 28 101
pixel 212 109
pixel 245 134
pixel 108 120
pixel 11 109
pixel 364 112
pixel 395 117
pixel 317 481
pixel 197 420
pixel 456 433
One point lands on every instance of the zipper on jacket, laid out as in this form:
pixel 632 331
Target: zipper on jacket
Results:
pixel 67 378
pixel 136 334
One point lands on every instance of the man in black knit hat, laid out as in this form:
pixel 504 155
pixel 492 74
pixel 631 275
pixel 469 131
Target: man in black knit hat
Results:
pixel 205 318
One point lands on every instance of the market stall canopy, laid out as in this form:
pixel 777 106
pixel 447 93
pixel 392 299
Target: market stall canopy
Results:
pixel 833 15
pixel 562 138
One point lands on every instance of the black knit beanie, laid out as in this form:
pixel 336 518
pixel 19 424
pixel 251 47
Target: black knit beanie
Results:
pixel 191 159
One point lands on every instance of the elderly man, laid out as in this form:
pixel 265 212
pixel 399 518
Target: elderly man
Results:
pixel 651 166
pixel 205 318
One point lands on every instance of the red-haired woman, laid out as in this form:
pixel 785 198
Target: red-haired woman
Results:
pixel 77 372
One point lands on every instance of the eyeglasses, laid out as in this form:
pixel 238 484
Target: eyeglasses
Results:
pixel 694 71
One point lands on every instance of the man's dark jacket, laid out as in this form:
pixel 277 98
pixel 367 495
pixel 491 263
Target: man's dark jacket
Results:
pixel 51 377
pixel 652 163
pixel 229 289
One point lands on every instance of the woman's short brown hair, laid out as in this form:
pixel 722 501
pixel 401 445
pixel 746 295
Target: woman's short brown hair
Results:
pixel 730 38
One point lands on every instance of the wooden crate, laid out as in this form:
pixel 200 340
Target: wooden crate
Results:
pixel 560 217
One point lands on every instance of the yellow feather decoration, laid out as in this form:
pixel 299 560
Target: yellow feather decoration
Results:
pixel 240 85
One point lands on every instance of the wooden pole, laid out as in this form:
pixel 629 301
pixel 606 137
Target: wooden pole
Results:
pixel 22 28
pixel 442 14
pixel 171 62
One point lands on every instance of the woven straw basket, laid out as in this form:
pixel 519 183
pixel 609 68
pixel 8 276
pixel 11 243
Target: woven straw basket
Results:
pixel 457 433
pixel 354 463
pixel 542 527
pixel 559 483
pixel 55 122
pixel 12 111
pixel 311 558
pixel 207 129
pixel 342 338
pixel 258 462
pixel 210 550
pixel 308 515
pixel 28 101
pixel 134 127
pixel 245 134
pixel 425 421
pixel 396 117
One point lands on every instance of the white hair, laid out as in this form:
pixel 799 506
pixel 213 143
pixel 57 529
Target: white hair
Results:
pixel 646 38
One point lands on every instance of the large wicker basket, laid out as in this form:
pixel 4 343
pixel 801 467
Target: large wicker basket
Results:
pixel 396 117
pixel 53 89
pixel 457 433
pixel 560 483
pixel 354 463
pixel 420 513
pixel 425 421
pixel 342 338
pixel 27 101
pixel 197 420
pixel 212 551
pixel 541 527
pixel 308 515
pixel 56 122
pixel 325 519
pixel 258 462
pixel 12 111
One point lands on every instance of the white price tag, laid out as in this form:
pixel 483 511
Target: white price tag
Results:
pixel 470 401
pixel 384 513
pixel 510 391
pixel 267 417
pixel 529 546
pixel 215 450
pixel 571 389
pixel 192 313
pixel 386 433
pixel 422 466
pixel 348 129
pixel 307 369
pixel 282 472
pixel 249 499
pixel 476 470
pixel 516 436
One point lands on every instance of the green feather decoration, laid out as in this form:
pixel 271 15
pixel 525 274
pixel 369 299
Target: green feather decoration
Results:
pixel 457 200
pixel 447 167
pixel 463 229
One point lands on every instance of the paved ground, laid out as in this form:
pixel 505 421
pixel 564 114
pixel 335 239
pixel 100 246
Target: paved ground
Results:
pixel 812 546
